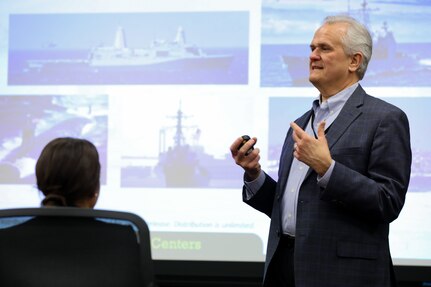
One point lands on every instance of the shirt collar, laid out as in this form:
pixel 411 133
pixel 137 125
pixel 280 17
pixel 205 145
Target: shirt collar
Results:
pixel 336 102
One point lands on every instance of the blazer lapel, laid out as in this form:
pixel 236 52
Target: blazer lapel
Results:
pixel 348 114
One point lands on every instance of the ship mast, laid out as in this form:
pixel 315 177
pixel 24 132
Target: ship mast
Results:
pixel 180 38
pixel 179 139
pixel 179 136
pixel 120 39
pixel 365 14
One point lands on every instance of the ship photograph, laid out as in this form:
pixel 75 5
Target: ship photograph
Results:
pixel 30 121
pixel 138 48
pixel 182 158
pixel 401 48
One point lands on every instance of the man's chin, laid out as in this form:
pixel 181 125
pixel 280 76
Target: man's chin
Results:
pixel 313 79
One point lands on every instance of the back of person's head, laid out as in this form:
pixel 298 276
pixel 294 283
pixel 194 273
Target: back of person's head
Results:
pixel 357 39
pixel 68 173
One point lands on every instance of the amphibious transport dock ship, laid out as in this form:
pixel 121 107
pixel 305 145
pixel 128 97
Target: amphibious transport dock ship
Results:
pixel 159 55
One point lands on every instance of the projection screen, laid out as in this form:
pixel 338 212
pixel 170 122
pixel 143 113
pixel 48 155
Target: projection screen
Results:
pixel 164 87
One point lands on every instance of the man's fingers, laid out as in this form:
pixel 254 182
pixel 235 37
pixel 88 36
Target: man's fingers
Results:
pixel 234 146
pixel 238 146
pixel 321 130
pixel 298 132
pixel 297 129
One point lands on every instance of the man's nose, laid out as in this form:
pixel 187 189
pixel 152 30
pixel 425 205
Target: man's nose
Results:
pixel 314 55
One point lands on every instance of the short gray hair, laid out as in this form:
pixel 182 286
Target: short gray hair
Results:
pixel 357 39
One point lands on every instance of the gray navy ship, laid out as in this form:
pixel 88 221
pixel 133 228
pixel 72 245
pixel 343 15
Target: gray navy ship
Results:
pixel 186 164
pixel 182 162
pixel 159 55
pixel 386 58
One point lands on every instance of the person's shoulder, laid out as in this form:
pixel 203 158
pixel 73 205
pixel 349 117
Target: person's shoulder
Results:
pixel 119 225
pixel 71 222
pixel 381 110
pixel 381 105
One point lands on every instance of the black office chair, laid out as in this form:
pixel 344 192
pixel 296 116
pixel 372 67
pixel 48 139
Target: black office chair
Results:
pixel 69 246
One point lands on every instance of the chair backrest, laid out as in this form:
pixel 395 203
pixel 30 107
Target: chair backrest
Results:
pixel 69 246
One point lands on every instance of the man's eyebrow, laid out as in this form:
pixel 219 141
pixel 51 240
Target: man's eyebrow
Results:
pixel 320 44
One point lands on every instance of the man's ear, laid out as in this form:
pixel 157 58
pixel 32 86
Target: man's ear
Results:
pixel 355 62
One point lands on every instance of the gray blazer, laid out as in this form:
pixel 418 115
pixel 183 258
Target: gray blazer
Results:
pixel 342 230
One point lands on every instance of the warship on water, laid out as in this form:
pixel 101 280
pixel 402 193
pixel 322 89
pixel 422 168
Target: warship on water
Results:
pixel 160 55
pixel 385 59
pixel 186 164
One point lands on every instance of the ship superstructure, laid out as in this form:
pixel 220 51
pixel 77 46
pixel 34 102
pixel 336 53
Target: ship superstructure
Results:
pixel 160 52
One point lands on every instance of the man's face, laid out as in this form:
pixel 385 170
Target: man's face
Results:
pixel 329 65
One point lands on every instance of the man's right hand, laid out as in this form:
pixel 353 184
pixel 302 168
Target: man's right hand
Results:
pixel 249 162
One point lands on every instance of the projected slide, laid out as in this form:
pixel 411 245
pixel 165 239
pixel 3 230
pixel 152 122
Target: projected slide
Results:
pixel 177 142
pixel 164 87
pixel 30 122
pixel 138 48
pixel 400 48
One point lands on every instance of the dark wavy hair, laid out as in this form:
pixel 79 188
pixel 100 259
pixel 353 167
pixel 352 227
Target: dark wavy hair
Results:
pixel 68 172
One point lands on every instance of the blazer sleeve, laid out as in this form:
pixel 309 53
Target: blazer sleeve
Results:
pixel 264 198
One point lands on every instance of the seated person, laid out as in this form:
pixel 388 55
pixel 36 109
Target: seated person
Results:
pixel 69 251
pixel 68 173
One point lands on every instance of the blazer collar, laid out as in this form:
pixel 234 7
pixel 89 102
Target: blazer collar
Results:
pixel 348 114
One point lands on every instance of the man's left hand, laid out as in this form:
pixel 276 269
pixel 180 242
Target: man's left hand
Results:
pixel 311 151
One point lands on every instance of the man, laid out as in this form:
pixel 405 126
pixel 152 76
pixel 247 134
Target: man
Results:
pixel 343 175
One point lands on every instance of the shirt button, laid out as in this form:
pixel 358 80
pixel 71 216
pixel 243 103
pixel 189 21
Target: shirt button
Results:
pixel 289 215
